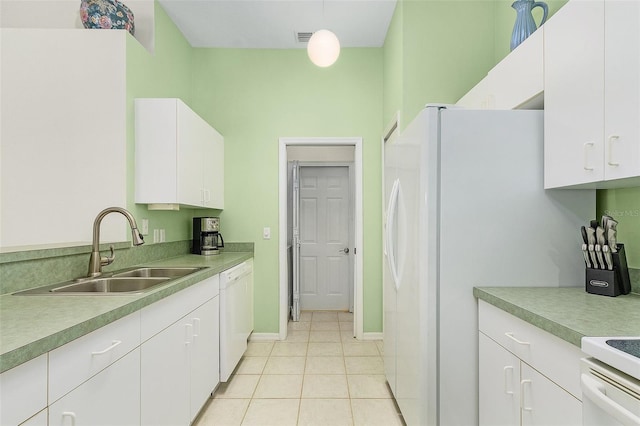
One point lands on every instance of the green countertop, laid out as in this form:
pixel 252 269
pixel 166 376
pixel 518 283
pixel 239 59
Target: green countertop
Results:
pixel 33 325
pixel 568 313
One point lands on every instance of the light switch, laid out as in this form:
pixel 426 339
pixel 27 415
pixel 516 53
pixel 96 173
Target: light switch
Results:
pixel 144 228
pixel 266 233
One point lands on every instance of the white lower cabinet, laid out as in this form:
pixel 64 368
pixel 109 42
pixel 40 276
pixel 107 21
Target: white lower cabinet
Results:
pixel 110 398
pixel 526 375
pixel 40 419
pixel 23 391
pixel 179 365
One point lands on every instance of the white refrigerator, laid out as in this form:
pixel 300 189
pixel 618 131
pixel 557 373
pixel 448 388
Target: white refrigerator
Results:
pixel 465 206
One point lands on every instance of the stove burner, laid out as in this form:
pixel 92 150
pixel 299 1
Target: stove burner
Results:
pixel 630 346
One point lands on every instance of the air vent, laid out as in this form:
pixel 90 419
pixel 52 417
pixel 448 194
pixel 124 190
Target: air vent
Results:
pixel 303 37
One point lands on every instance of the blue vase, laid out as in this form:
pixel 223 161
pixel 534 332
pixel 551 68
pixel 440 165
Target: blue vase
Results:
pixel 106 14
pixel 525 25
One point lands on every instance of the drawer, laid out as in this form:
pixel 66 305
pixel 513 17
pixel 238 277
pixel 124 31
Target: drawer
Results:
pixel 160 315
pixel 77 361
pixel 23 391
pixel 555 358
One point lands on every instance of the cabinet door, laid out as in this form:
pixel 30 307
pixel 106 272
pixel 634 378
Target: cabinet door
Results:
pixel 499 384
pixel 191 130
pixel 165 377
pixel 622 89
pixel 110 398
pixel 574 94
pixel 23 391
pixel 213 169
pixel 546 404
pixel 205 354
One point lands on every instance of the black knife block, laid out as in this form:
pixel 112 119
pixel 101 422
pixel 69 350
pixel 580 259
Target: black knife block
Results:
pixel 610 283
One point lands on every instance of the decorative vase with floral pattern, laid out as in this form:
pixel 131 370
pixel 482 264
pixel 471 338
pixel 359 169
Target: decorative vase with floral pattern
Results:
pixel 106 14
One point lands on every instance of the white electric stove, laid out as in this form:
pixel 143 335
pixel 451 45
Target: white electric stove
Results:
pixel 611 381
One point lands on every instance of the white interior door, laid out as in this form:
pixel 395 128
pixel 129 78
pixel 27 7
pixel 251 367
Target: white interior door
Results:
pixel 325 234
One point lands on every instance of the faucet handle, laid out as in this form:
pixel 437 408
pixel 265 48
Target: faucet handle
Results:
pixel 104 261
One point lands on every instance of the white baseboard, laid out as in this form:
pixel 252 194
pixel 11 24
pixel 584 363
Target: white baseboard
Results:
pixel 263 337
pixel 372 336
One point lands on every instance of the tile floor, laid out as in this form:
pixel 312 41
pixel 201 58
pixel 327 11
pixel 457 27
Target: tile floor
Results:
pixel 320 375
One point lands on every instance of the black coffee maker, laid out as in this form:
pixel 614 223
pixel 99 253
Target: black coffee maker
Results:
pixel 207 239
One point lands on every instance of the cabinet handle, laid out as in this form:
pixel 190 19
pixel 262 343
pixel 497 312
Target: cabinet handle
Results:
pixel 189 333
pixel 70 414
pixel 507 381
pixel 113 345
pixel 586 147
pixel 520 342
pixel 612 139
pixel 196 327
pixel 522 404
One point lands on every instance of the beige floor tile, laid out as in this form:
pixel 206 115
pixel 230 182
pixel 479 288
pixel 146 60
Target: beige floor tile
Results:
pixel 324 336
pixel 251 365
pixel 345 316
pixel 368 386
pixel 360 349
pixel 279 386
pixel 325 386
pixel 325 412
pixel 276 412
pixel 324 349
pixel 285 365
pixel 306 315
pixel 259 349
pixel 364 365
pixel 289 349
pixel 346 326
pixel 241 386
pixel 325 365
pixel 300 325
pixel 372 412
pixel 325 326
pixel 347 336
pixel 297 336
pixel 223 412
pixel 324 316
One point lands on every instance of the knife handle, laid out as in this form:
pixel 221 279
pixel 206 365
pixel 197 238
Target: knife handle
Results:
pixel 598 249
pixel 585 253
pixel 592 256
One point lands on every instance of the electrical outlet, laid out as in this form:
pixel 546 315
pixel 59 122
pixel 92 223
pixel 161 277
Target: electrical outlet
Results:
pixel 156 235
pixel 144 228
pixel 266 233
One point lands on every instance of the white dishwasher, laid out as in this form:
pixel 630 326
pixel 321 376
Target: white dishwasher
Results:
pixel 236 315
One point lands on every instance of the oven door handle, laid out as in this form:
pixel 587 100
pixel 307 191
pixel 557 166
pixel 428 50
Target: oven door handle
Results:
pixel 596 393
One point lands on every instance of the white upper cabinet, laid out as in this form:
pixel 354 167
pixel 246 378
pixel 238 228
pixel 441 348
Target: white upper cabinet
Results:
pixel 179 156
pixel 591 95
pixel 515 82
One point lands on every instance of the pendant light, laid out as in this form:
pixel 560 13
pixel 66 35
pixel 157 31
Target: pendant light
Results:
pixel 323 47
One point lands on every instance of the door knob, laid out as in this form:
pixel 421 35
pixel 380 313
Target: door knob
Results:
pixel 345 250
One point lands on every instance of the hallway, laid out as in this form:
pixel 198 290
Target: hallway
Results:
pixel 320 376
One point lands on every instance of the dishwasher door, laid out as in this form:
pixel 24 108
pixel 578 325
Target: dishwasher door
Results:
pixel 609 397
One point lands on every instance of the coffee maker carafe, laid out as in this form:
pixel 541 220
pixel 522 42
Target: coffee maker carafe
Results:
pixel 207 239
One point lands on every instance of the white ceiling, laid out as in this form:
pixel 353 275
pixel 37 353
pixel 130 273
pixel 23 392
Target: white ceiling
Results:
pixel 272 24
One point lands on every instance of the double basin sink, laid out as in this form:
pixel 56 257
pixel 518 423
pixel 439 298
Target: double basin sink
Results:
pixel 129 281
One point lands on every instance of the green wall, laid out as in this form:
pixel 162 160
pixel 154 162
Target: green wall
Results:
pixel 435 51
pixel 254 97
pixel 167 73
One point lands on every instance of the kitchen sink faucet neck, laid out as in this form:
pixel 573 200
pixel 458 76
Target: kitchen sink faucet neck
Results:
pixel 96 262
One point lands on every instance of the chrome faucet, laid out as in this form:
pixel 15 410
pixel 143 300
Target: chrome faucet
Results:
pixel 96 262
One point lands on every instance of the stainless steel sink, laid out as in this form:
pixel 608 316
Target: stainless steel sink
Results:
pixel 157 272
pixel 129 281
pixel 110 285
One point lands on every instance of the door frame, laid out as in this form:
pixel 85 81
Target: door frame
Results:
pixel 356 142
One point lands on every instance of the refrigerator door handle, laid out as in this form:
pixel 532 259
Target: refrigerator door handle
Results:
pixel 392 211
